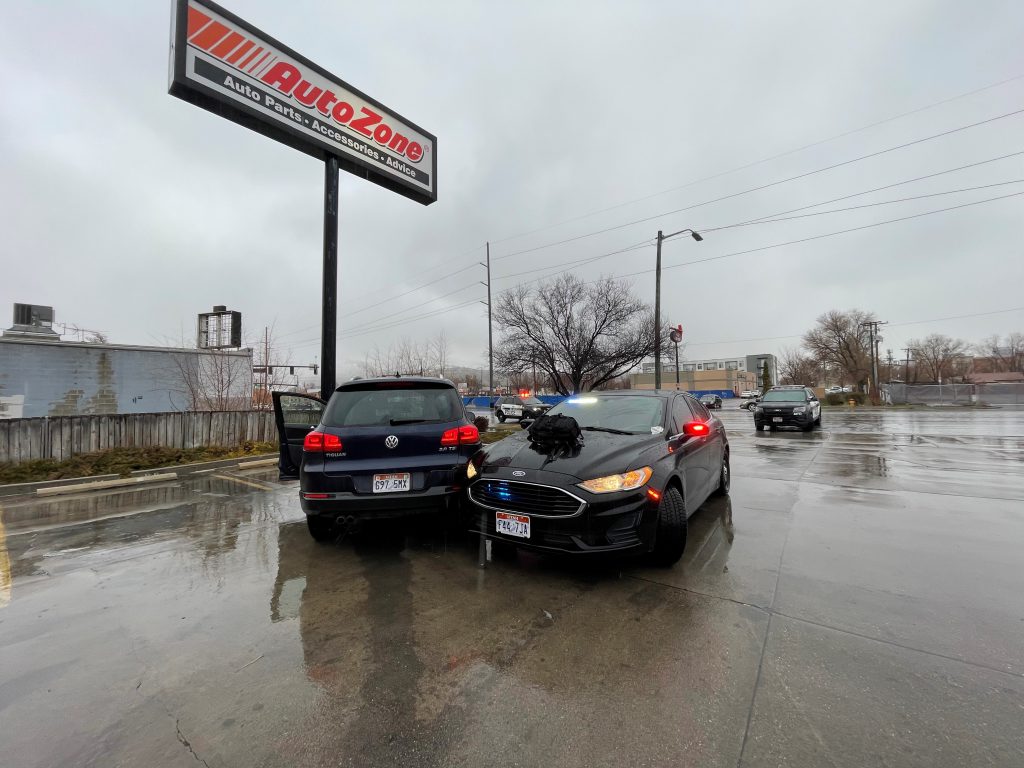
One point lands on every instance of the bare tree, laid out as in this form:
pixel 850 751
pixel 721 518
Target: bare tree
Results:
pixel 439 353
pixel 839 340
pixel 1002 355
pixel 796 367
pixel 939 357
pixel 210 380
pixel 581 335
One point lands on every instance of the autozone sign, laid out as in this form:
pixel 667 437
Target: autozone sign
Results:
pixel 225 65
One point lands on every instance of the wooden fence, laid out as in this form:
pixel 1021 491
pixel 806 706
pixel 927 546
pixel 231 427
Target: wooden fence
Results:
pixel 62 437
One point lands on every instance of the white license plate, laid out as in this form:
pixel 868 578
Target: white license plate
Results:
pixel 393 483
pixel 512 525
pixel 777 418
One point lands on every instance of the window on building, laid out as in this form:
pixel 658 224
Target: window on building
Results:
pixel 689 367
pixel 700 366
pixel 721 365
pixel 731 365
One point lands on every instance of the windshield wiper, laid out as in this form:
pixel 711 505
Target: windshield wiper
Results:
pixel 396 422
pixel 609 430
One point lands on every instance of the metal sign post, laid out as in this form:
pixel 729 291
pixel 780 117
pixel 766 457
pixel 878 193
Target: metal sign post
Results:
pixel 329 294
pixel 676 335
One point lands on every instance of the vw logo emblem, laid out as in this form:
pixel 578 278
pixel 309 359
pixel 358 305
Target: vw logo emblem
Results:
pixel 391 442
pixel 518 473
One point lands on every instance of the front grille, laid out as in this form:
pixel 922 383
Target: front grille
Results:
pixel 540 500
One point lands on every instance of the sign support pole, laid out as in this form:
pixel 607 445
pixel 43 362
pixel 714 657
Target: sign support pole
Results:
pixel 329 298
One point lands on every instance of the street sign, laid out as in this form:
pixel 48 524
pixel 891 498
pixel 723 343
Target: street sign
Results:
pixel 225 65
pixel 676 334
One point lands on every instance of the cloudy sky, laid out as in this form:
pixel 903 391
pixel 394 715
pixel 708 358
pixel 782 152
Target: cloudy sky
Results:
pixel 130 211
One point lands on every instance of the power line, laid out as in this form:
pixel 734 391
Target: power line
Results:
pixel 908 322
pixel 833 234
pixel 714 258
pixel 763 160
pixel 709 178
pixel 859 207
pixel 890 186
pixel 766 186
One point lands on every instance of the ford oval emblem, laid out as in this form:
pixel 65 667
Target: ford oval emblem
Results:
pixel 518 473
pixel 391 441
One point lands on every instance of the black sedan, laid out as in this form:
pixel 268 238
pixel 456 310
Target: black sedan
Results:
pixel 711 401
pixel 381 448
pixel 644 462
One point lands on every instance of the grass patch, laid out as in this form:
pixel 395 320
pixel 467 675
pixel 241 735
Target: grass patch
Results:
pixel 494 435
pixel 123 461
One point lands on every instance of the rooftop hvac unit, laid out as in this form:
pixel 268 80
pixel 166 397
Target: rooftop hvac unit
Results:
pixel 33 314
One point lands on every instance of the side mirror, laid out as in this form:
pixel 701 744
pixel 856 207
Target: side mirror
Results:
pixel 695 429
pixel 526 423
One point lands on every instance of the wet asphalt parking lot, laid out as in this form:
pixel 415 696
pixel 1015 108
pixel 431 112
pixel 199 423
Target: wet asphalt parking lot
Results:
pixel 858 601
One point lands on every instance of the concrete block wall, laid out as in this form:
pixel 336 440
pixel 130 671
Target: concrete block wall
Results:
pixel 46 378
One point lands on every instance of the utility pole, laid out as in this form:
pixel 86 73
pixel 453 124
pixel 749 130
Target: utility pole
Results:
pixel 657 315
pixel 266 359
pixel 657 300
pixel 872 326
pixel 490 328
pixel 906 367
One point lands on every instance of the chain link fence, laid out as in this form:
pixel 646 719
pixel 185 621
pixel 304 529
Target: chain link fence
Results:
pixel 1000 394
pixel 929 394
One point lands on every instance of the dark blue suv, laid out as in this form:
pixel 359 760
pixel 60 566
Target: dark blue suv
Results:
pixel 379 448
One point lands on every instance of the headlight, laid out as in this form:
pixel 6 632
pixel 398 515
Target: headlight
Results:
pixel 471 471
pixel 799 409
pixel 758 409
pixel 628 481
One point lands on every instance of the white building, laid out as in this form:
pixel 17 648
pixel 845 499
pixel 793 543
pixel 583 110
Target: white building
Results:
pixel 752 363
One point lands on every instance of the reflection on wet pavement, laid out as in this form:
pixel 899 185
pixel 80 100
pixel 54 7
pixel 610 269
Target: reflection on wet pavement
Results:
pixel 855 601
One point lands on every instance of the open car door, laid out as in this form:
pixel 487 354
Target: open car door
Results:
pixel 295 415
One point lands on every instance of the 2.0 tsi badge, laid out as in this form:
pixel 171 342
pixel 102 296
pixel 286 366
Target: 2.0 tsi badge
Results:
pixel 391 441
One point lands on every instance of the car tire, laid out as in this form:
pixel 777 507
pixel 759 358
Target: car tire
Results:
pixel 758 425
pixel 817 421
pixel 724 477
pixel 501 416
pixel 670 532
pixel 321 528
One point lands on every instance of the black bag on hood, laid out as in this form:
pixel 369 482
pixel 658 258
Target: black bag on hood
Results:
pixel 555 430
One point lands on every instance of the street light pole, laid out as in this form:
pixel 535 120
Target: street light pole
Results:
pixel 657 302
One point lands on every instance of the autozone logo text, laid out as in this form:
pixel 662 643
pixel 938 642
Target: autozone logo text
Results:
pixel 248 56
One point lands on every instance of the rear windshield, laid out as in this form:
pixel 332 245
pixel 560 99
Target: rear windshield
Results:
pixel 785 396
pixel 631 414
pixel 392 404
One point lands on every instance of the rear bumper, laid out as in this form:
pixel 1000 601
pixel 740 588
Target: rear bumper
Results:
pixel 384 505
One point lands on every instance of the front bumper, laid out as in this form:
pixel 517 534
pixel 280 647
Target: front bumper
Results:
pixel 623 524
pixel 789 419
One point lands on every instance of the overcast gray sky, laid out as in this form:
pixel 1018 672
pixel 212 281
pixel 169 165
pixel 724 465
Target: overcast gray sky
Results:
pixel 130 211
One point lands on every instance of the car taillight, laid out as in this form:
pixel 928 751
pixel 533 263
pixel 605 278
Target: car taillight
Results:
pixel 466 435
pixel 319 442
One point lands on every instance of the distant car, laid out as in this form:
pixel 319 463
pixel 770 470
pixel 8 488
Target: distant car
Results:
pixel 534 407
pixel 750 404
pixel 711 401
pixel 792 406
pixel 379 448
pixel 749 393
pixel 645 462
pixel 833 390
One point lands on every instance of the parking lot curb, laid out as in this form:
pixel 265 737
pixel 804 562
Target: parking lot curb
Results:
pixel 104 484
pixel 95 482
